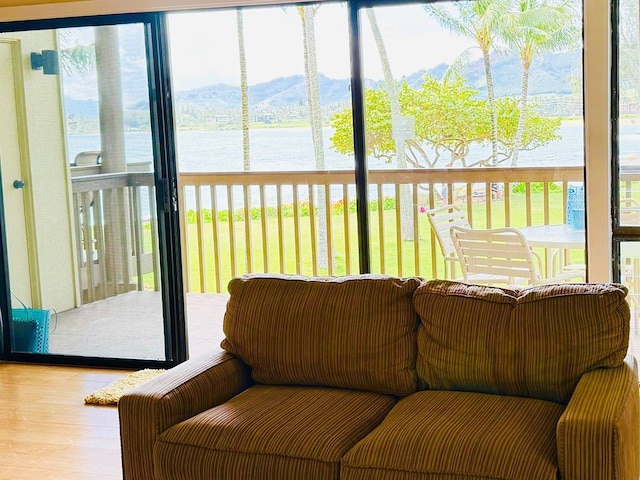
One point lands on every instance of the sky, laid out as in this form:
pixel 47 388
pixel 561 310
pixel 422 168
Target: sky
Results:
pixel 204 46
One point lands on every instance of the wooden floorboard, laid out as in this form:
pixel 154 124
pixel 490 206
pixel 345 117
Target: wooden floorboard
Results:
pixel 46 430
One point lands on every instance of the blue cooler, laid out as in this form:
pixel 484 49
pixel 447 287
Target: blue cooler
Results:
pixel 575 207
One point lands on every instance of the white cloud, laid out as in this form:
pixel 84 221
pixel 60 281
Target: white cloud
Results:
pixel 205 49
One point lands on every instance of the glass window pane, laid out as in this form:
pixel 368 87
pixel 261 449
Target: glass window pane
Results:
pixel 469 114
pixel 630 276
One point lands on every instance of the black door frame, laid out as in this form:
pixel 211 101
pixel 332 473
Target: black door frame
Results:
pixel 621 233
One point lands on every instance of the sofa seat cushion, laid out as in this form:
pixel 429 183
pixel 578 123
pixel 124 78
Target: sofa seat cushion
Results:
pixel 443 435
pixel 532 342
pixel 283 432
pixel 355 331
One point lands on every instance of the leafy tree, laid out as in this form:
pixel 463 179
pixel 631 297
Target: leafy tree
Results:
pixel 532 28
pixel 450 119
pixel 479 20
pixel 79 59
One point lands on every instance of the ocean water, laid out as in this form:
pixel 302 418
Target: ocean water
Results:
pixel 291 149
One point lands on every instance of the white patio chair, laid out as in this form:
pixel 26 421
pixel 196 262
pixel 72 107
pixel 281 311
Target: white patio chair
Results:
pixel 501 256
pixel 88 158
pixel 441 220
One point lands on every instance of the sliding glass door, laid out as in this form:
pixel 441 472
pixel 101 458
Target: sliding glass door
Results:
pixel 82 167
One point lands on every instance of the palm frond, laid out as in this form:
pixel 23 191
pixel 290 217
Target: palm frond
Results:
pixel 455 71
pixel 80 59
pixel 445 18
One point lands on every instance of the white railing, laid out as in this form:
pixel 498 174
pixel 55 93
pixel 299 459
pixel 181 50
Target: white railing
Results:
pixel 289 228
pixel 116 233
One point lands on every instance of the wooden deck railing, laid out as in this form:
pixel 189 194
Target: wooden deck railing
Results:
pixel 288 219
pixel 289 230
pixel 116 233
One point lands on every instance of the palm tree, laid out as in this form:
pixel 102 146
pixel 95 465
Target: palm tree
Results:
pixel 406 224
pixel 244 92
pixel 307 16
pixel 244 113
pixel 479 20
pixel 107 48
pixel 103 57
pixel 533 28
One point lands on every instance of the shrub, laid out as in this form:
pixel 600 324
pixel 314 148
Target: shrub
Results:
pixel 304 210
pixel 536 187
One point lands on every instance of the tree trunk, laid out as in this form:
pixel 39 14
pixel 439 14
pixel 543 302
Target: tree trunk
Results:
pixel 244 92
pixel 244 113
pixel 523 108
pixel 307 14
pixel 492 106
pixel 112 143
pixel 406 210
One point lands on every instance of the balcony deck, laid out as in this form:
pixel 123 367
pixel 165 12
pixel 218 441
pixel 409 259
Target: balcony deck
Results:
pixel 130 326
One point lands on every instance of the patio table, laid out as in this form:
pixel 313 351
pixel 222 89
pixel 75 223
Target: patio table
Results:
pixel 556 240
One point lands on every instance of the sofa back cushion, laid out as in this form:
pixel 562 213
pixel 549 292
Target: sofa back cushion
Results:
pixel 353 332
pixel 533 342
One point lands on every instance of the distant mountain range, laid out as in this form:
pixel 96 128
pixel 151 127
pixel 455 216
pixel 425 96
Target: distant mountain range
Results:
pixel 553 73
pixel 550 74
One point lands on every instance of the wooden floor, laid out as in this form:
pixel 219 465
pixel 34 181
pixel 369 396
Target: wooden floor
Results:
pixel 46 431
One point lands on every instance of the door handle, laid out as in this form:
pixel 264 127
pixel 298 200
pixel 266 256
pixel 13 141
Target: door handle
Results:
pixel 18 184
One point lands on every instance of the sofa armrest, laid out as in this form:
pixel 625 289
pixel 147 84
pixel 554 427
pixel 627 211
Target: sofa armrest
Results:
pixel 182 392
pixel 598 433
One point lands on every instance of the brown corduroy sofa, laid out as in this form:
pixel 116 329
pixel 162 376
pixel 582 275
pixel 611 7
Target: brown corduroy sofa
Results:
pixel 374 377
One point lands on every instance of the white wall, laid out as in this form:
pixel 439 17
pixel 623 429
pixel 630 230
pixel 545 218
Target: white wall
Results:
pixel 49 175
pixel 597 72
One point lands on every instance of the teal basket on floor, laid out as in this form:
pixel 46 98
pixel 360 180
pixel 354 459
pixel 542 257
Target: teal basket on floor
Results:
pixel 30 330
